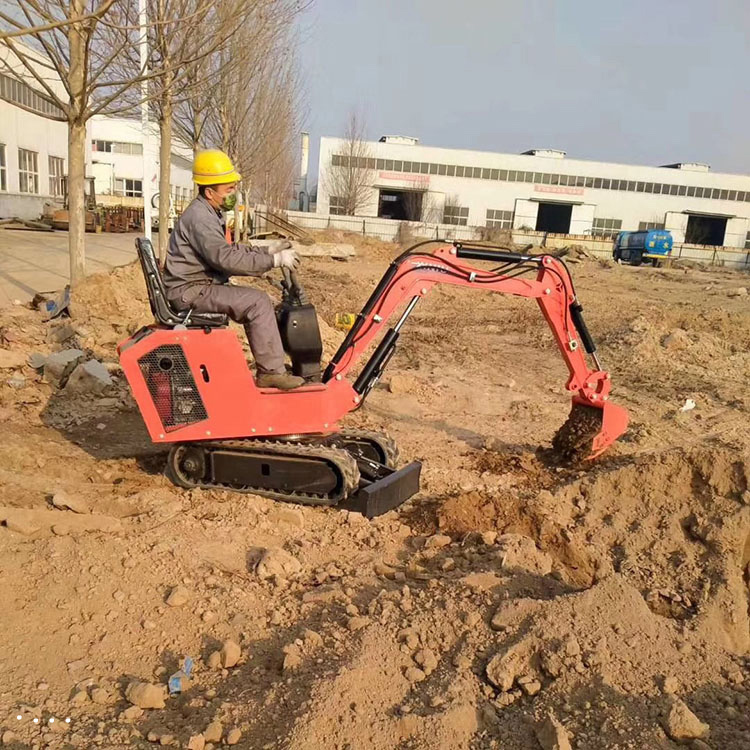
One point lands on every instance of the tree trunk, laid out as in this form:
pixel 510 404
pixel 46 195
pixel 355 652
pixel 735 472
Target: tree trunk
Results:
pixel 76 203
pixel 77 147
pixel 165 170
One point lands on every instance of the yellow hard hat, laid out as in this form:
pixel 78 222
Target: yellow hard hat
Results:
pixel 214 167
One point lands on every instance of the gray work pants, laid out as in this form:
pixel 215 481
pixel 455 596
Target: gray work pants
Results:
pixel 250 307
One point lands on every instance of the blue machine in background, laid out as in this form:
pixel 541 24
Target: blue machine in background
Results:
pixel 635 247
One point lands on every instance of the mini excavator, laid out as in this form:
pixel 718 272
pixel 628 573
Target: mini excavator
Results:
pixel 196 392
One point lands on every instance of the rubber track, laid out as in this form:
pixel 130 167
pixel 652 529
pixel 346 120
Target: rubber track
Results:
pixel 386 442
pixel 344 463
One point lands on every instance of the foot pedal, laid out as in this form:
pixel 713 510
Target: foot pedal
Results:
pixel 385 494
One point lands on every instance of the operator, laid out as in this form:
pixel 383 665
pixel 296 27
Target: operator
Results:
pixel 200 262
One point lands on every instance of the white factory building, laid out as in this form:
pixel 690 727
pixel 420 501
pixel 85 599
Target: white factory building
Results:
pixel 34 149
pixel 539 190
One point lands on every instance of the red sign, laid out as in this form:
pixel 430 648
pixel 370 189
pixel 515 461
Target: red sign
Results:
pixel 423 179
pixel 558 189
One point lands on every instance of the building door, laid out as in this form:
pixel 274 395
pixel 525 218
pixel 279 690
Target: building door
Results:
pixel 554 217
pixel 404 205
pixel 705 230
pixel 524 217
pixel 582 218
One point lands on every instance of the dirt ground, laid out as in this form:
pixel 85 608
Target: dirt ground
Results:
pixel 513 604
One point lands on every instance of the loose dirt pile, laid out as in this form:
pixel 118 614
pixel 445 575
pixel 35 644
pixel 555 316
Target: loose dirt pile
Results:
pixel 514 603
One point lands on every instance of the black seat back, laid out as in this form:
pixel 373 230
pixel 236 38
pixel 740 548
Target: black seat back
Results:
pixel 157 295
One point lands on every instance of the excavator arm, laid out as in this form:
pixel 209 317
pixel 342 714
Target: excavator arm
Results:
pixel 594 422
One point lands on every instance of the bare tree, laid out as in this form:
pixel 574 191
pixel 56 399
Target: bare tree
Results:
pixel 252 110
pixel 89 46
pixel 349 176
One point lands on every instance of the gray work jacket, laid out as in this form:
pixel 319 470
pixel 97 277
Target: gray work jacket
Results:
pixel 199 253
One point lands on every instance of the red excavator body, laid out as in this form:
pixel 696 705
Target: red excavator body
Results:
pixel 195 390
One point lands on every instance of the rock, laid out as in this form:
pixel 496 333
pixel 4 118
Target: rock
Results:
pixel 437 540
pixel 89 377
pixel 196 742
pixel 426 659
pixel 357 623
pixel 178 596
pixel 489 537
pixel 214 660
pixel 277 562
pixel 10 360
pixel 233 736
pixel 292 516
pixel 22 522
pixel 518 552
pixel 58 366
pixel 312 639
pixel 676 341
pixel 552 735
pixel 230 654
pixel 145 695
pixel 166 739
pixel 59 333
pixel 532 687
pixel 76 504
pixel 213 732
pixel 414 675
pixel 79 697
pixel 8 737
pixel 503 668
pixel 100 696
pixel 36 360
pixel 670 686
pixel 402 384
pixel 131 713
pixel 680 723
pixel 17 382
pixel 739 292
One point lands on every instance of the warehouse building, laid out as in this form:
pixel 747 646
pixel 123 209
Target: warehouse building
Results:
pixel 34 149
pixel 540 190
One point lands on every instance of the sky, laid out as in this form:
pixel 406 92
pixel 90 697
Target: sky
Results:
pixel 632 81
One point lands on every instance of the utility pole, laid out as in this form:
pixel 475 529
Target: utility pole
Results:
pixel 146 182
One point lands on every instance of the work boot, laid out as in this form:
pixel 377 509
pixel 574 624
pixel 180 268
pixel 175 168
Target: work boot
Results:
pixel 282 380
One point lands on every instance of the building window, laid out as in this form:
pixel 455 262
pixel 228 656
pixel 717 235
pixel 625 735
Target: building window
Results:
pixel 499 219
pixel 56 176
pixel 606 227
pixel 645 226
pixel 337 206
pixel 3 168
pixel 458 215
pixel 18 92
pixel 28 171
pixel 119 147
pixel 747 241
pixel 129 188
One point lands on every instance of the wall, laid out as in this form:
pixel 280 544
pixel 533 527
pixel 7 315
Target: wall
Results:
pixel 107 166
pixel 481 194
pixel 388 230
pixel 47 138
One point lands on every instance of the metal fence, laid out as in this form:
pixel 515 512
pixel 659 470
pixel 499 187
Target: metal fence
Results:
pixel 391 230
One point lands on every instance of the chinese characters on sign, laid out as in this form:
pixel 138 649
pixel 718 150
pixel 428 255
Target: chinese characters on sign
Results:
pixel 558 189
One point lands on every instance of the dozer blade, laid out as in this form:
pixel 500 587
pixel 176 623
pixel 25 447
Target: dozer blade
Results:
pixel 589 430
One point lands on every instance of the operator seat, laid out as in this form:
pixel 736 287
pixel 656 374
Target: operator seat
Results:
pixel 163 311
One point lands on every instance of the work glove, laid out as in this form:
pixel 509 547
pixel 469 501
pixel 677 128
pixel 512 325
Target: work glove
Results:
pixel 286 259
pixel 276 246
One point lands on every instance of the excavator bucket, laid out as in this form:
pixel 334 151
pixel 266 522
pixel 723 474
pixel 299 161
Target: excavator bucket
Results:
pixel 589 430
